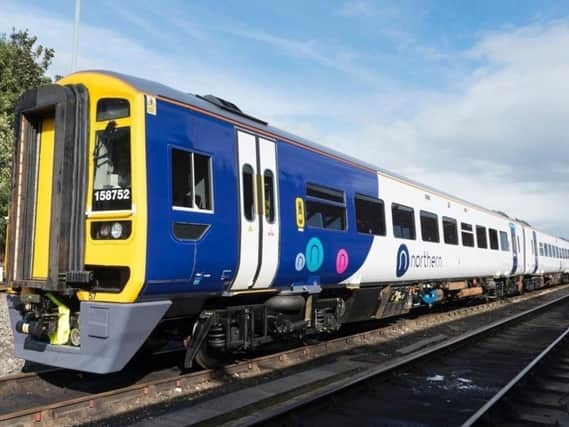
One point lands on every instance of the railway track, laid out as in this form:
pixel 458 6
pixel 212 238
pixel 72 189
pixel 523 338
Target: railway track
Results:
pixel 64 398
pixel 538 395
pixel 441 385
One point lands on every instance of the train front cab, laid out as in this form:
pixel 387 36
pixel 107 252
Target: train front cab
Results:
pixel 77 233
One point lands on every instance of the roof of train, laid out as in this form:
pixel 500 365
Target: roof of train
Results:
pixel 158 89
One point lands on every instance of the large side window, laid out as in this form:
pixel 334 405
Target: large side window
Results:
pixel 467 234
pixel 403 221
pixel 191 180
pixel 493 239
pixel 450 231
pixel 370 215
pixel 325 208
pixel 429 227
pixel 504 244
pixel 481 238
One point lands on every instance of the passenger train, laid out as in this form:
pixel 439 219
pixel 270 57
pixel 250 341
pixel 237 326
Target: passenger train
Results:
pixel 141 214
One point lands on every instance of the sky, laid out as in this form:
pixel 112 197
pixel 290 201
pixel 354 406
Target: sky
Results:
pixel 468 97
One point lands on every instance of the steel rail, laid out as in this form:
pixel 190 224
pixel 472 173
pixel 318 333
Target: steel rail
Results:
pixel 271 412
pixel 477 416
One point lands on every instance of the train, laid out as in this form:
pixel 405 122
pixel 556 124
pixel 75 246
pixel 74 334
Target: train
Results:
pixel 141 215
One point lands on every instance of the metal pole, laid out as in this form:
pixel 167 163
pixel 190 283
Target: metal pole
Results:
pixel 75 36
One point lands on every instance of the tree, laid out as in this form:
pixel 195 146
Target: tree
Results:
pixel 23 65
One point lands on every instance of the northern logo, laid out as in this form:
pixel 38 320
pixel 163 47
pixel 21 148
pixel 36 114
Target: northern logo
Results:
pixel 402 260
pixel 405 260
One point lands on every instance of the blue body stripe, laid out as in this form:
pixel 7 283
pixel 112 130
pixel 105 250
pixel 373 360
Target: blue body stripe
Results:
pixel 210 264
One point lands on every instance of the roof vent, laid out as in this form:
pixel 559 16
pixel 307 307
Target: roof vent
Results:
pixel 222 103
pixel 229 106
pixel 523 222
pixel 502 213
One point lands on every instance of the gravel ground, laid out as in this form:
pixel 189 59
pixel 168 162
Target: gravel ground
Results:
pixel 9 364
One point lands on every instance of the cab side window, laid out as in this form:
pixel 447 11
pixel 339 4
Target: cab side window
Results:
pixel 191 180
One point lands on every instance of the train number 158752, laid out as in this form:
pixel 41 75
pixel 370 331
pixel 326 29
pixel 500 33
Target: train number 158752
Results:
pixel 113 194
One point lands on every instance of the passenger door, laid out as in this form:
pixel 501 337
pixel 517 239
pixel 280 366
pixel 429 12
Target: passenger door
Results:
pixel 259 212
pixel 514 248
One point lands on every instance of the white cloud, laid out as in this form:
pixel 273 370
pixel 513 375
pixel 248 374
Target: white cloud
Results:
pixel 503 139
pixel 496 136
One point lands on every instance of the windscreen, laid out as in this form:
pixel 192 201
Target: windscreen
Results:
pixel 112 182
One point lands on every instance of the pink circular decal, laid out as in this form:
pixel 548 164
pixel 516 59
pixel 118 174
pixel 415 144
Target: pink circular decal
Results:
pixel 342 261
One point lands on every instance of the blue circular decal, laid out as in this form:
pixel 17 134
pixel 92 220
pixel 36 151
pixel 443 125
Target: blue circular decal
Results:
pixel 403 261
pixel 300 261
pixel 314 254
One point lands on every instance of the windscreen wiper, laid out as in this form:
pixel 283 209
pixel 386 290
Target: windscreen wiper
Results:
pixel 104 140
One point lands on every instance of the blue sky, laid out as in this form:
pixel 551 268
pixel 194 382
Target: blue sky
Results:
pixel 470 97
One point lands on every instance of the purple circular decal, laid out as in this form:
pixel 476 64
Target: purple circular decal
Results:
pixel 342 260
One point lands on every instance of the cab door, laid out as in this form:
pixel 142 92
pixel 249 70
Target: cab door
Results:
pixel 259 227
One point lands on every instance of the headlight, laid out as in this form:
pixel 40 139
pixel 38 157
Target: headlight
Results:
pixel 116 230
pixel 106 230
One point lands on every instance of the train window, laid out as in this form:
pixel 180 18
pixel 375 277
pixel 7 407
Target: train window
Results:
pixel 182 179
pixel 450 231
pixel 370 215
pixel 481 239
pixel 248 193
pixel 429 227
pixel 328 211
pixel 504 243
pixel 403 221
pixel 191 180
pixel 467 234
pixel 269 189
pixel 541 251
pixel 202 180
pixel 493 239
pixel 112 184
pixel 324 215
pixel 112 108
pixel 313 190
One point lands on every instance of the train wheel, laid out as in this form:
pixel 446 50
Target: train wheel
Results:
pixel 207 359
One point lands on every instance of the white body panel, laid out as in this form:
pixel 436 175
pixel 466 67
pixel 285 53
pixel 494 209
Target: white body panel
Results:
pixel 432 261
